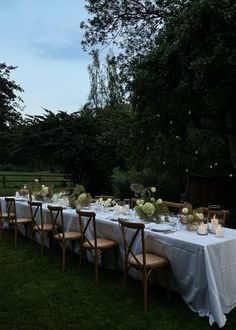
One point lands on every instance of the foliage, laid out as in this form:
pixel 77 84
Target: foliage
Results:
pixel 183 92
pixel 10 107
pixel 78 190
pixel 132 26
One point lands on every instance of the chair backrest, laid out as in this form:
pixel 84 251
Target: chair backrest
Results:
pixel 105 197
pixel 57 220
pixel 221 215
pixel 85 218
pixel 0 210
pixel 11 208
pixel 135 230
pixel 174 207
pixel 36 211
pixel 133 201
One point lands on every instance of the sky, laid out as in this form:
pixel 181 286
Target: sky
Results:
pixel 42 38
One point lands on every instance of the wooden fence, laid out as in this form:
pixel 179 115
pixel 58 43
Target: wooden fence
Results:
pixel 18 180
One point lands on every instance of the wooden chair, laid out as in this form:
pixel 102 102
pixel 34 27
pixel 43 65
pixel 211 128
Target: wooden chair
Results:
pixel 3 217
pixel 145 263
pixel 38 223
pixel 59 234
pixel 174 207
pixel 104 197
pixel 221 215
pixel 133 201
pixel 96 245
pixel 13 221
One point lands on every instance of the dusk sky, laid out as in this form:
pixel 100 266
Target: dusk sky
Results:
pixel 42 38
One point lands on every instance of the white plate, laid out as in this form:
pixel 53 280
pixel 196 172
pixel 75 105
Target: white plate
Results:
pixel 158 227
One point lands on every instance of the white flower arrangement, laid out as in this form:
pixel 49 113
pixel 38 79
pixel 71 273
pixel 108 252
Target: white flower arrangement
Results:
pixel 44 193
pixel 84 199
pixel 153 209
pixel 106 202
pixel 24 191
pixel 190 216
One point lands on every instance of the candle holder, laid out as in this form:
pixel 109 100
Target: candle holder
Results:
pixel 202 229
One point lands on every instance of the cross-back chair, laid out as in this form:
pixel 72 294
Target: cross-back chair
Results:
pixel 174 207
pixel 221 215
pixel 95 244
pixel 38 223
pixel 13 220
pixel 144 262
pixel 133 201
pixel 3 217
pixel 60 235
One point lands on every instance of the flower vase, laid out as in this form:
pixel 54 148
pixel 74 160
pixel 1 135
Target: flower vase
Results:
pixel 190 226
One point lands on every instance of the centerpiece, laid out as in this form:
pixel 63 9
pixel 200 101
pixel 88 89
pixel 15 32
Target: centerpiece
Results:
pixel 79 198
pixel 149 208
pixel 191 218
pixel 24 192
pixel 44 194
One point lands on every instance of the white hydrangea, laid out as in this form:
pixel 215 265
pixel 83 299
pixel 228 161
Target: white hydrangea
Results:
pixel 185 210
pixel 149 209
pixel 153 189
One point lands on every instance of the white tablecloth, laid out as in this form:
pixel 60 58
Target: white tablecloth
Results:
pixel 203 267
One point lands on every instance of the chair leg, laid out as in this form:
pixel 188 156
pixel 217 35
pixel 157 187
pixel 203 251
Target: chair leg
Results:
pixel 145 283
pixel 116 257
pixel 41 242
pixel 81 257
pixel 1 224
pixel 96 267
pixel 63 257
pixel 125 273
pixel 167 280
pixel 16 230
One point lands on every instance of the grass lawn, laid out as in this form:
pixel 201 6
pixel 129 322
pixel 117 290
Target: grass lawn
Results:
pixel 35 294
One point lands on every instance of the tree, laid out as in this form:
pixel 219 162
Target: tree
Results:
pixel 106 86
pixel 10 102
pixel 10 106
pixel 184 90
pixel 132 25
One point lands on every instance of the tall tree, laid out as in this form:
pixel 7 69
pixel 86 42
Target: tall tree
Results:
pixel 132 25
pixel 10 107
pixel 185 88
pixel 10 101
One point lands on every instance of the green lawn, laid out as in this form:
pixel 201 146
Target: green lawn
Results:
pixel 35 294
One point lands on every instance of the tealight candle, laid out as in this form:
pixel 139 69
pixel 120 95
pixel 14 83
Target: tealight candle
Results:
pixel 202 229
pixel 219 231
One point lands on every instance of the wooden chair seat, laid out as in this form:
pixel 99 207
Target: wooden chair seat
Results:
pixel 45 227
pixel 152 261
pixel 72 235
pixel 20 221
pixel 102 243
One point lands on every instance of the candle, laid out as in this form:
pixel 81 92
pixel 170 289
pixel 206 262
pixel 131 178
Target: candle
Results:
pixel 214 224
pixel 202 229
pixel 219 231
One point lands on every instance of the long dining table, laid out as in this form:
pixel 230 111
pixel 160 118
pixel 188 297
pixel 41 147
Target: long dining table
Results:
pixel 203 267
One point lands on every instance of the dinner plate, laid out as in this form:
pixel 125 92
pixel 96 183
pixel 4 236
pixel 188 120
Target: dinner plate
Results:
pixel 158 227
